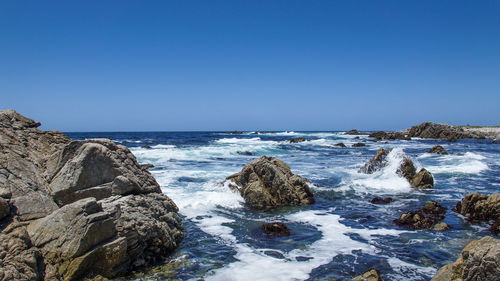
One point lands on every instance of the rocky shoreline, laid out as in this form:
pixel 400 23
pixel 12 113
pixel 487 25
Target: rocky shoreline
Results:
pixel 74 209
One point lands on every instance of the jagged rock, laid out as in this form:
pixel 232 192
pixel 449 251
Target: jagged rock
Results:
pixel 340 144
pixel 389 136
pixel 422 179
pixel 147 166
pixel 53 185
pixel 268 182
pixel 296 140
pixel 442 131
pixel 378 162
pixel 370 275
pixel 441 226
pixel 479 261
pixel 379 200
pixel 359 144
pixel 278 229
pixel 427 218
pixel 479 207
pixel 437 149
pixel 4 208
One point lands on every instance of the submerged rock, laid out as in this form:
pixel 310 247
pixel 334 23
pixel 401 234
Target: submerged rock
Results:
pixel 296 140
pixel 146 146
pixel 379 200
pixel 426 218
pixel 278 229
pixel 442 131
pixel 359 144
pixel 421 180
pixel 81 207
pixel 437 149
pixel 268 182
pixel 370 275
pixel 479 261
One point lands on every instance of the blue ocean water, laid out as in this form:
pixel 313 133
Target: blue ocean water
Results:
pixel 342 234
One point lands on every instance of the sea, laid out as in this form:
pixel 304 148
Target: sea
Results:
pixel 342 235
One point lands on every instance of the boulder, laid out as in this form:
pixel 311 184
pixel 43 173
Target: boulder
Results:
pixel 479 207
pixel 421 180
pixel 429 217
pixel 442 131
pixel 268 182
pixel 359 144
pixel 297 140
pixel 370 275
pixel 479 261
pixel 437 149
pixel 379 200
pixel 77 207
pixel 146 146
pixel 278 229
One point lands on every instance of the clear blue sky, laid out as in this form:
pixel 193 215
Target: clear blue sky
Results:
pixel 250 65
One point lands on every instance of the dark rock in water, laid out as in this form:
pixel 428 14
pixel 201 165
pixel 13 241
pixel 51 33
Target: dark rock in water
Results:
pixel 370 275
pixel 379 200
pixel 355 132
pixel 79 208
pixel 389 136
pixel 407 169
pixel 479 261
pixel 146 146
pixel 296 140
pixel 359 144
pixel 340 144
pixel 356 138
pixel 147 166
pixel 236 133
pixel 426 218
pixel 245 153
pixel 268 182
pixel 4 208
pixel 422 180
pixel 437 149
pixel 278 229
pixel 496 142
pixel 442 131
pixel 378 162
pixel 479 207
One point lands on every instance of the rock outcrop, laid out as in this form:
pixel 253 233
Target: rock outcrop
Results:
pixel 268 182
pixel 480 261
pixel 429 217
pixel 441 131
pixel 381 135
pixel 359 144
pixel 355 132
pixel 370 275
pixel 421 180
pixel 437 149
pixel 478 207
pixel 77 208
pixel 297 140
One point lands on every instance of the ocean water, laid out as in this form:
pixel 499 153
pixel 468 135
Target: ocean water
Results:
pixel 341 235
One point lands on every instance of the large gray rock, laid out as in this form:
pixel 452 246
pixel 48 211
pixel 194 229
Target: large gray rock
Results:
pixel 480 261
pixel 56 189
pixel 442 131
pixel 268 182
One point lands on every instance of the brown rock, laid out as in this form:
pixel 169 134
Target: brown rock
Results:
pixel 378 162
pixel 480 261
pixel 278 229
pixel 426 218
pixel 479 207
pixel 268 182
pixel 422 180
pixel 437 149
pixel 4 208
pixel 442 131
pixel 296 140
pixel 359 144
pixel 379 200
pixel 370 275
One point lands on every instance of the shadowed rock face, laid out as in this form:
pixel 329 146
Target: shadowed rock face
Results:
pixel 77 207
pixel 268 182
pixel 480 261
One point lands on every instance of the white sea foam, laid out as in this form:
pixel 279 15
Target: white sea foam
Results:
pixel 386 180
pixel 405 270
pixel 468 163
